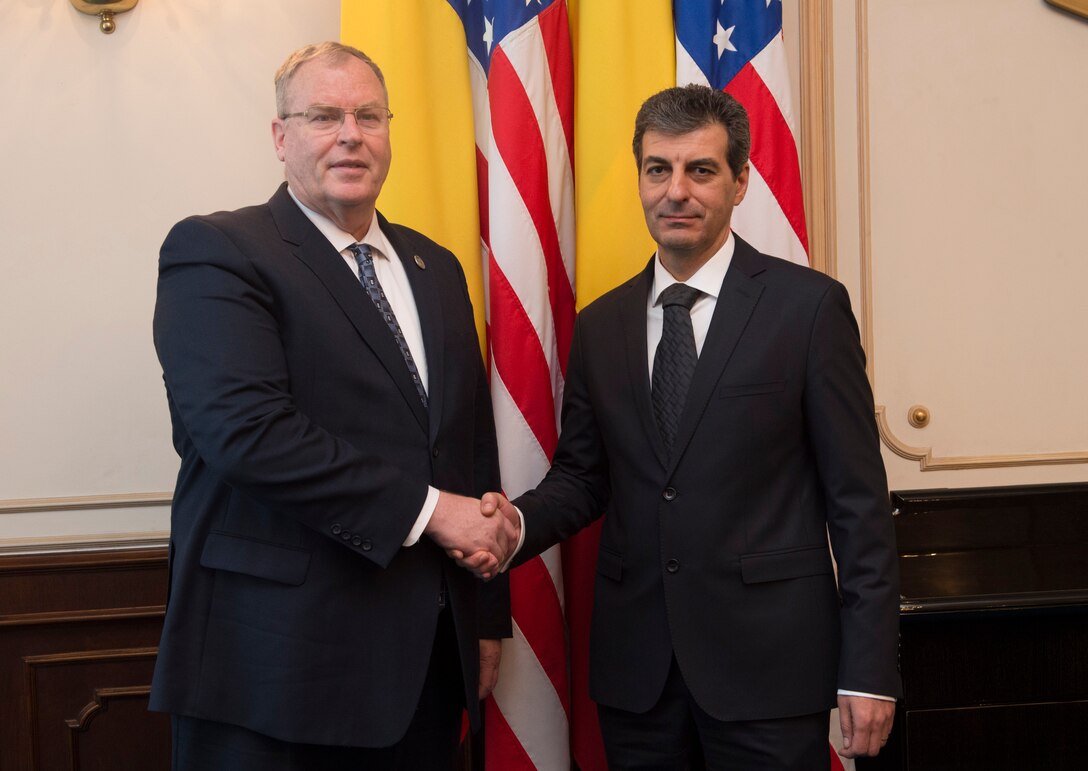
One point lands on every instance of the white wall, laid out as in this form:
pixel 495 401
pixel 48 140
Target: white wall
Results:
pixel 962 173
pixel 107 141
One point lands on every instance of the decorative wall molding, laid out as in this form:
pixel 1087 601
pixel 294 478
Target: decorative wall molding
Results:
pixel 818 132
pixel 864 195
pixel 927 460
pixel 87 541
pixel 79 502
pixel 84 544
pixel 100 703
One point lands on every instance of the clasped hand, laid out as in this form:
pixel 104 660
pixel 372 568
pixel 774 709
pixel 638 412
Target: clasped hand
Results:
pixel 480 534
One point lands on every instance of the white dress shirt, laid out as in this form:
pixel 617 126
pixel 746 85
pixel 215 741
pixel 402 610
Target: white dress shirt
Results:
pixel 708 280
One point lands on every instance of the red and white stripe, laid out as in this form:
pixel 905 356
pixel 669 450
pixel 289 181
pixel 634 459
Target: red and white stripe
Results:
pixel 524 118
pixel 772 217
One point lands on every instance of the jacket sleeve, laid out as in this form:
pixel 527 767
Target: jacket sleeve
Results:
pixel 838 408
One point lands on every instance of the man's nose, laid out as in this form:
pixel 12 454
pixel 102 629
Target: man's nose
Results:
pixel 678 188
pixel 349 129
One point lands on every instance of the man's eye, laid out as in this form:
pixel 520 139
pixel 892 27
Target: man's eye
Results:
pixel 322 116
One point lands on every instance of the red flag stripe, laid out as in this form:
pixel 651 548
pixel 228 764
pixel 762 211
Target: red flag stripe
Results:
pixel 536 611
pixel 555 30
pixel 836 761
pixel 505 752
pixel 773 150
pixel 482 196
pixel 520 359
pixel 518 141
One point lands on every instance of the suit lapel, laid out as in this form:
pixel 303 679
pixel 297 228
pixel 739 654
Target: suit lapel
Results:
pixel 738 298
pixel 315 251
pixel 429 307
pixel 633 323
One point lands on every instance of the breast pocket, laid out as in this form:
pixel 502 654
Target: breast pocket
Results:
pixel 751 389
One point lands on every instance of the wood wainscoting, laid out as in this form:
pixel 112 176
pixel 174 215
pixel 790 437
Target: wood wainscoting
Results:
pixel 79 631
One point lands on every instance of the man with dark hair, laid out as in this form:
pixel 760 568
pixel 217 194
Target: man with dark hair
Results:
pixel 717 413
pixel 331 410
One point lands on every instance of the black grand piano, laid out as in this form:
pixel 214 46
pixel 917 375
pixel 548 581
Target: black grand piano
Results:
pixel 993 630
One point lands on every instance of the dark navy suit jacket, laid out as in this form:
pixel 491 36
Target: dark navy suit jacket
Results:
pixel 720 554
pixel 306 453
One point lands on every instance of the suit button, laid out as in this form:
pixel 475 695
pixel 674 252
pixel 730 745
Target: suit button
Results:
pixel 672 566
pixel 356 541
pixel 345 535
pixel 336 529
pixel 434 453
pixel 669 493
pixel 367 546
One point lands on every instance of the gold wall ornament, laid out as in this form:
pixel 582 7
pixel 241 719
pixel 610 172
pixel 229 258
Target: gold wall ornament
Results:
pixel 927 461
pixel 918 416
pixel 1079 7
pixel 104 10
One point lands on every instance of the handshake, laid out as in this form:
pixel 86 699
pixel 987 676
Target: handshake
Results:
pixel 481 535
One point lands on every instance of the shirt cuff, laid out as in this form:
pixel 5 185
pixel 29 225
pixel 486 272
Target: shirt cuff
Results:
pixel 866 695
pixel 521 541
pixel 424 518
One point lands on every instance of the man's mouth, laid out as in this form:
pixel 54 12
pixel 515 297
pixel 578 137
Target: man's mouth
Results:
pixel 349 165
pixel 677 217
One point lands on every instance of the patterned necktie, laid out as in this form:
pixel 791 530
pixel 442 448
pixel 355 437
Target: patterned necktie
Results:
pixel 369 280
pixel 675 360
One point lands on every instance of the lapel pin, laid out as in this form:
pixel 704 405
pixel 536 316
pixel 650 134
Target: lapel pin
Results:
pixel 420 263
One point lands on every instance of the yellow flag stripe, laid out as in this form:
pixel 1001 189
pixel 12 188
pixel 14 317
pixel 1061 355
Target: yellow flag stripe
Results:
pixel 624 51
pixel 420 47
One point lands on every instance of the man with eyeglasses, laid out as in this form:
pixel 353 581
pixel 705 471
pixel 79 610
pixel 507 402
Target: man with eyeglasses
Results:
pixel 331 411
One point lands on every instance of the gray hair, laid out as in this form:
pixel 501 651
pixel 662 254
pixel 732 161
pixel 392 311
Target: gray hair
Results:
pixel 329 51
pixel 683 109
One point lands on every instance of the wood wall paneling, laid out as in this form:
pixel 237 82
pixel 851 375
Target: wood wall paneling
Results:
pixel 78 637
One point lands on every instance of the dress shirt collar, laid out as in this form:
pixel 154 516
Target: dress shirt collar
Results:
pixel 708 279
pixel 340 239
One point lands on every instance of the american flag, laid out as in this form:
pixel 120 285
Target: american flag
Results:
pixel 522 78
pixel 737 46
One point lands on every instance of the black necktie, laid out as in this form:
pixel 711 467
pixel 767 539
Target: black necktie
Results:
pixel 675 360
pixel 373 287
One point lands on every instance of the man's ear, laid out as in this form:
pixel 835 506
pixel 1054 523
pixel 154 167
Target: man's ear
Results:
pixel 742 185
pixel 279 132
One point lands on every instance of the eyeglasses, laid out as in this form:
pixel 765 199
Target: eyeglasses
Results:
pixel 323 119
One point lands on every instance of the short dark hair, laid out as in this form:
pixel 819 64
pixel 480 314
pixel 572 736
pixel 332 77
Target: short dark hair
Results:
pixel 683 109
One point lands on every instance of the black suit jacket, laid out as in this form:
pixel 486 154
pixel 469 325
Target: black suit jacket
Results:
pixel 305 457
pixel 720 554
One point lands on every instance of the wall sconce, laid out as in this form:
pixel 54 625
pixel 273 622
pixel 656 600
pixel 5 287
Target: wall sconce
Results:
pixel 1079 7
pixel 104 10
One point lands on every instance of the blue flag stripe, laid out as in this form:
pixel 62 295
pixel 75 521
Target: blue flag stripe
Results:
pixel 746 25
pixel 502 16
